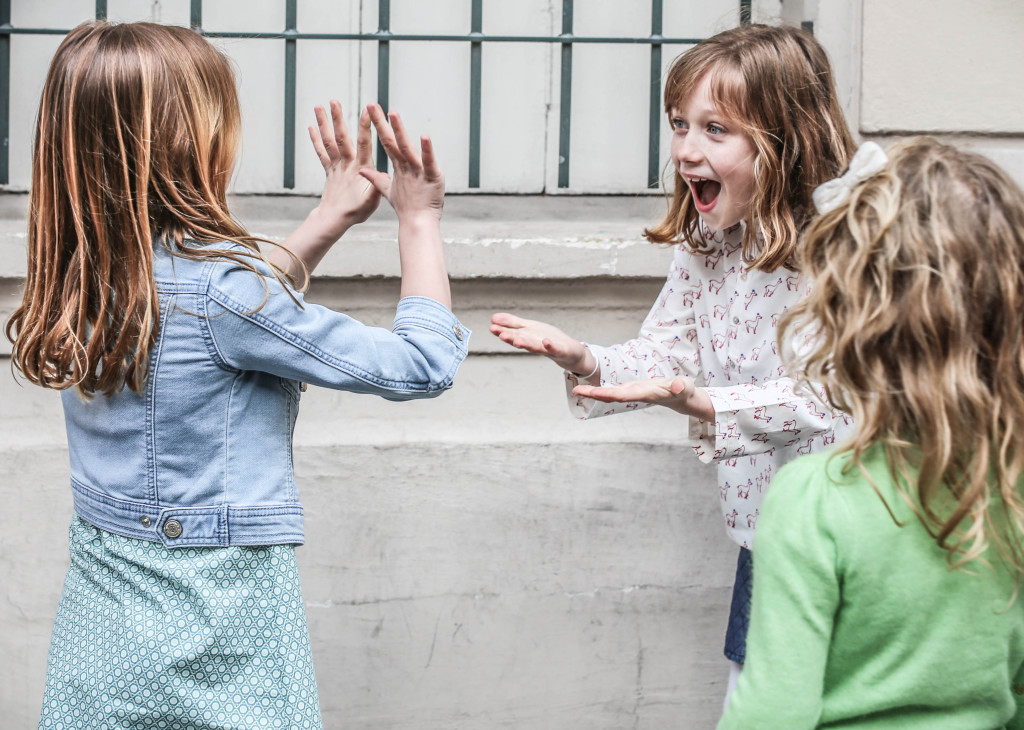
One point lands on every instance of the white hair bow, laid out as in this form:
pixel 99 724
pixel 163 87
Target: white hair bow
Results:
pixel 870 159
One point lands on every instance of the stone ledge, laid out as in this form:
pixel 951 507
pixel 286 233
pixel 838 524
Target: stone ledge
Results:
pixel 486 236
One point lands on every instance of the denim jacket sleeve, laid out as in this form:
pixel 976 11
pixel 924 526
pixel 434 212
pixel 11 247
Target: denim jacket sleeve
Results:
pixel 253 324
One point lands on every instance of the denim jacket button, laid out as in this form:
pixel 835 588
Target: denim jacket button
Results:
pixel 458 331
pixel 146 522
pixel 172 528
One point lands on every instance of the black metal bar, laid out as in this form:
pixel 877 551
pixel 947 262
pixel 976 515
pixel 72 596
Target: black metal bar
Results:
pixel 654 120
pixel 383 36
pixel 808 25
pixel 475 84
pixel 290 68
pixel 386 36
pixel 745 12
pixel 5 94
pixel 383 69
pixel 565 107
pixel 33 31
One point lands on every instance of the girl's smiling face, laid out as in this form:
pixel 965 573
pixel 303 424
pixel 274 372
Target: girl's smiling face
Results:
pixel 715 158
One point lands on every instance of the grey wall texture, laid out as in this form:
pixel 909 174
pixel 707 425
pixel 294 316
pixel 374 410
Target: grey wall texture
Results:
pixel 480 560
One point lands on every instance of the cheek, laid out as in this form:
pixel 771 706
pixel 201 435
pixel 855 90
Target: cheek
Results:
pixel 676 147
pixel 747 181
pixel 743 173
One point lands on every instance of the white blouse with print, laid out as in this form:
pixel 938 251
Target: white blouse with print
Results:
pixel 715 321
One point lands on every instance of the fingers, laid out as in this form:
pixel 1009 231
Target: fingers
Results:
pixel 679 386
pixel 625 393
pixel 553 348
pixel 385 134
pixel 364 145
pixel 395 139
pixel 430 164
pixel 409 153
pixel 326 130
pixel 330 137
pixel 520 340
pixel 602 393
pixel 670 392
pixel 504 319
pixel 318 146
pixel 342 140
pixel 381 181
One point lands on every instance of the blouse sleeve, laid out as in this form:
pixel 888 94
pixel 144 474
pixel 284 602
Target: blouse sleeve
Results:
pixel 795 598
pixel 665 347
pixel 755 418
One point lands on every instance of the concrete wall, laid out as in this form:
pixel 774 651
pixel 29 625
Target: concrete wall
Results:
pixel 482 560
pixel 476 561
pixel 945 68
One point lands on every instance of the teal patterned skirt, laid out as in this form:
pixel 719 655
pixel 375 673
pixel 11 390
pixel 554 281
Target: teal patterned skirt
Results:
pixel 186 639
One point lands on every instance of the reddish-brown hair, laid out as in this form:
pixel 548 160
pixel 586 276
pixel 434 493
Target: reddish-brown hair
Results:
pixel 776 82
pixel 135 142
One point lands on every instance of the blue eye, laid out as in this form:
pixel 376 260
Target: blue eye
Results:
pixel 678 123
pixel 715 129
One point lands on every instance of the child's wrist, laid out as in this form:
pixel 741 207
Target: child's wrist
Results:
pixel 421 217
pixel 420 225
pixel 582 364
pixel 325 230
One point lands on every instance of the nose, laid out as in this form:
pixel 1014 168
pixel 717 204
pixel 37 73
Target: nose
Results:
pixel 686 148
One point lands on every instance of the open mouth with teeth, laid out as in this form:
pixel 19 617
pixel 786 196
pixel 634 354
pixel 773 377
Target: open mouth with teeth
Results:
pixel 705 192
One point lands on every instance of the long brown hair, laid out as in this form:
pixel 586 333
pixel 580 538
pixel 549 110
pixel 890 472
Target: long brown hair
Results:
pixel 776 82
pixel 136 140
pixel 918 333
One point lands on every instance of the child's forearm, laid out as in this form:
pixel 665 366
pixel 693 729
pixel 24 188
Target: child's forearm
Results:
pixel 424 273
pixel 309 243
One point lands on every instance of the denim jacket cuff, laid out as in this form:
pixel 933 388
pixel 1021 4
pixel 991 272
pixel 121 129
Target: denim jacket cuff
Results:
pixel 430 313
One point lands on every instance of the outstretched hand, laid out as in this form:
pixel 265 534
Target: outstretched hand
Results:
pixel 679 394
pixel 417 188
pixel 541 338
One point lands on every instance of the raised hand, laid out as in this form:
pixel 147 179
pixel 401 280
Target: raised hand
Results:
pixel 416 192
pixel 348 197
pixel 543 339
pixel 679 394
pixel 417 187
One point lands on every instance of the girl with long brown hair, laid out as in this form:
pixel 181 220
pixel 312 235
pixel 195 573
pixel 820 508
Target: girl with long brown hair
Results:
pixel 888 594
pixel 757 125
pixel 181 352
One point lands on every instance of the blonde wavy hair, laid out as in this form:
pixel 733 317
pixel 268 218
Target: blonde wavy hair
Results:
pixel 918 314
pixel 776 83
pixel 135 142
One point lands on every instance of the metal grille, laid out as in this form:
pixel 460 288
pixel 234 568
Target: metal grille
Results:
pixel 384 37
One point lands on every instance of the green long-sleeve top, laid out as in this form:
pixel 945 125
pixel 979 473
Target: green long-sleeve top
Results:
pixel 859 623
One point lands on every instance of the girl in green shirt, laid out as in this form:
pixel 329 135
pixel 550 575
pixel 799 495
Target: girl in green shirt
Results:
pixel 888 570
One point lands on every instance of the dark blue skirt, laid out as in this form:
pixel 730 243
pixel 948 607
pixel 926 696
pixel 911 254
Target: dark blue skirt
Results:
pixel 739 613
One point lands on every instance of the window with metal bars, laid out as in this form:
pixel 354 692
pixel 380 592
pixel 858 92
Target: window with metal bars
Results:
pixel 566 141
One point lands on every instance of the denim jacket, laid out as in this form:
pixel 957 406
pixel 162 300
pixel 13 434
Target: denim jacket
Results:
pixel 203 455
